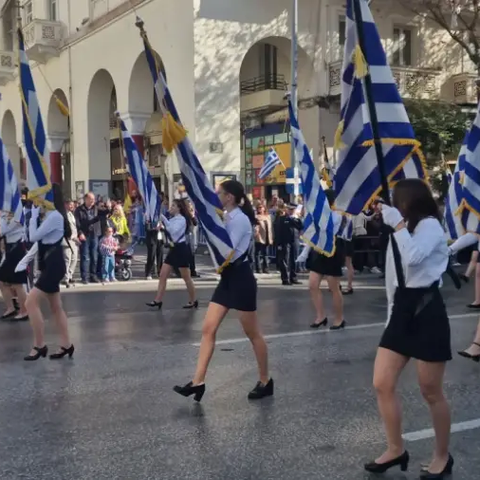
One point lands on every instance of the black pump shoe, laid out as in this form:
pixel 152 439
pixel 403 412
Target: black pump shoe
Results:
pixel 339 327
pixel 155 304
pixel 426 475
pixel 190 389
pixel 261 390
pixel 191 305
pixel 41 352
pixel 64 351
pixel 402 461
pixel 323 323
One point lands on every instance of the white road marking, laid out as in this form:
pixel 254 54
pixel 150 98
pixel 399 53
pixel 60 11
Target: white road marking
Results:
pixel 429 433
pixel 322 331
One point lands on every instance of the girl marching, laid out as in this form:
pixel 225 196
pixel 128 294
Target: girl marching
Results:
pixel 237 290
pixel 179 255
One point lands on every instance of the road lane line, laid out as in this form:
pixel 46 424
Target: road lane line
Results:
pixel 324 331
pixel 429 432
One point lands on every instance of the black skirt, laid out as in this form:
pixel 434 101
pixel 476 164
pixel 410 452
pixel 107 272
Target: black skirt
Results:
pixel 326 266
pixel 52 267
pixel 346 247
pixel 419 327
pixel 237 288
pixel 179 256
pixel 14 253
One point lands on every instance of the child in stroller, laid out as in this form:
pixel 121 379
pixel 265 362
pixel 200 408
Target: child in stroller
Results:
pixel 123 262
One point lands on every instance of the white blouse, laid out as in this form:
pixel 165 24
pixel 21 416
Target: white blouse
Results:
pixel 176 227
pixel 50 231
pixel 12 230
pixel 240 231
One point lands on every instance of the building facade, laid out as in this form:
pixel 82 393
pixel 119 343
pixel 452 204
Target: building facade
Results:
pixel 227 63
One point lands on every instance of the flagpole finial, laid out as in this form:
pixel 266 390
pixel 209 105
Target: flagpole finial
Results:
pixel 139 23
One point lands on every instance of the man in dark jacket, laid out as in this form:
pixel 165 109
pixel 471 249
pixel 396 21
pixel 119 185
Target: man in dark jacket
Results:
pixel 89 231
pixel 284 234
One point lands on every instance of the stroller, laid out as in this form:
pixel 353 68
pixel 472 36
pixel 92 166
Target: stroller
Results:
pixel 123 263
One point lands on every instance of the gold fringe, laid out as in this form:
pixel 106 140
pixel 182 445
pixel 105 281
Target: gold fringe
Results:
pixel 337 141
pixel 319 250
pixel 361 67
pixel 226 262
pixel 62 107
pixel 172 133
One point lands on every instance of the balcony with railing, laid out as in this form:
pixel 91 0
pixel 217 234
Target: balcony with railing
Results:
pixel 412 82
pixel 7 67
pixel 461 89
pixel 262 93
pixel 43 39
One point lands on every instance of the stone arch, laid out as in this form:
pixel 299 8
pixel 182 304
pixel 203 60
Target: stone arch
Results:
pixel 100 120
pixel 9 138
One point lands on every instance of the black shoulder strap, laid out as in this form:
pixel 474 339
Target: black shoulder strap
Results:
pixel 397 258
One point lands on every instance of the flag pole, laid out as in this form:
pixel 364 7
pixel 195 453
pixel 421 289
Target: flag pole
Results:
pixel 293 90
pixel 357 12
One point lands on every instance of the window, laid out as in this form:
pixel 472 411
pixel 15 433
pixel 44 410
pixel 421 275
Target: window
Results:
pixel 268 65
pixel 402 47
pixel 28 11
pixel 52 10
pixel 342 25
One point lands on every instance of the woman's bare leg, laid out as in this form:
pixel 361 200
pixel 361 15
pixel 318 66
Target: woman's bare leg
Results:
pixel 21 295
pixel 474 349
pixel 32 305
pixel 430 379
pixel 61 320
pixel 7 298
pixel 165 272
pixel 314 281
pixel 472 264
pixel 350 272
pixel 215 314
pixel 249 321
pixel 337 299
pixel 187 278
pixel 387 370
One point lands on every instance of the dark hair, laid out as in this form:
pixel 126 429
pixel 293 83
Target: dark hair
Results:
pixel 330 194
pixel 414 199
pixel 235 188
pixel 59 204
pixel 184 211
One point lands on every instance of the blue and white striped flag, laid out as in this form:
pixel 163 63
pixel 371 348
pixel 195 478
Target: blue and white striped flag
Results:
pixel 469 178
pixel 34 137
pixel 455 195
pixel 10 198
pixel 195 180
pixel 140 174
pixel 318 224
pixel 357 178
pixel 271 161
pixel 346 228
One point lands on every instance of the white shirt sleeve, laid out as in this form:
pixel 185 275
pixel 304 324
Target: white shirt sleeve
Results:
pixel 337 222
pixel 414 248
pixel 176 226
pixel 51 227
pixel 463 242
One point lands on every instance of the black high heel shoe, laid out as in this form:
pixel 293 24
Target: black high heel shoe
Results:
pixel 464 354
pixel 191 305
pixel 426 475
pixel 64 351
pixel 402 460
pixel 155 304
pixel 41 352
pixel 190 389
pixel 323 323
pixel 339 327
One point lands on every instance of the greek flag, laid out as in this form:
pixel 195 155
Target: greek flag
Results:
pixel 346 228
pixel 455 195
pixel 195 180
pixel 10 199
pixel 271 161
pixel 357 178
pixel 140 174
pixel 468 165
pixel 36 149
pixel 318 224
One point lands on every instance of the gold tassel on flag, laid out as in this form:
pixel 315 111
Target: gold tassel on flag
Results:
pixel 62 107
pixel 172 133
pixel 337 142
pixel 361 68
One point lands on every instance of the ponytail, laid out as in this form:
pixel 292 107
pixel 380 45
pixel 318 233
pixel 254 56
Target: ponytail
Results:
pixel 247 208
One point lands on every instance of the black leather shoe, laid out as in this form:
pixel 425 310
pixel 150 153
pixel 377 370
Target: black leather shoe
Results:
pixel 426 475
pixel 191 305
pixel 402 461
pixel 63 352
pixel 155 304
pixel 190 389
pixel 339 327
pixel 323 323
pixel 41 352
pixel 261 390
